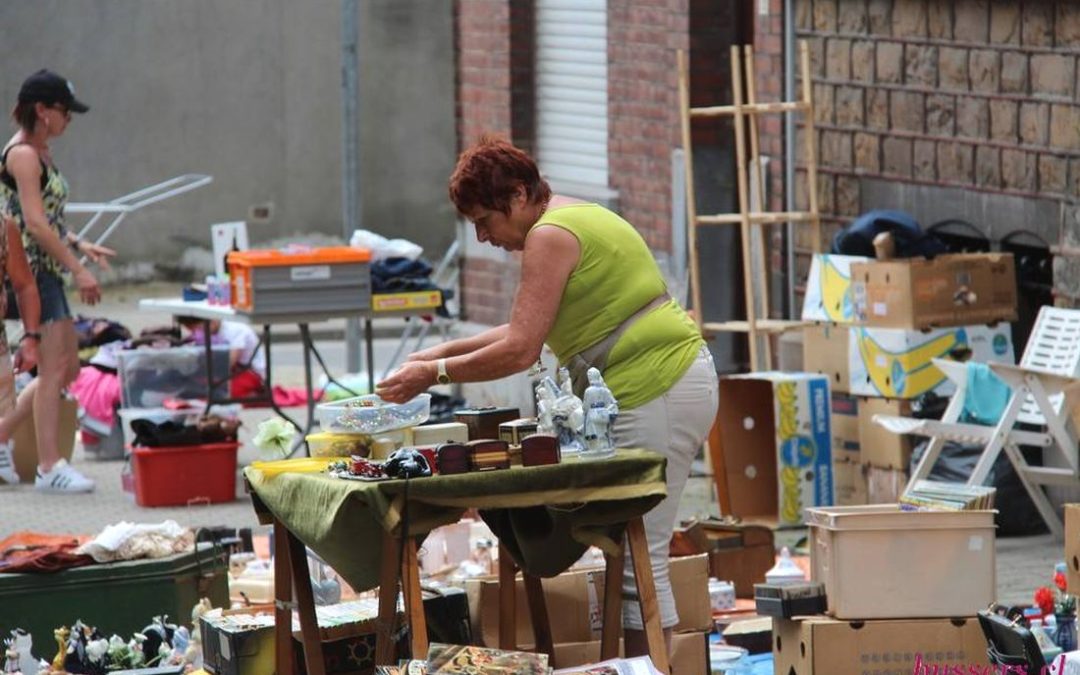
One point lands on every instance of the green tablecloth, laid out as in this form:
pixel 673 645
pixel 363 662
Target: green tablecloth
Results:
pixel 546 516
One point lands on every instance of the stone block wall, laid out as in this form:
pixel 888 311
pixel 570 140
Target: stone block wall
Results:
pixel 977 95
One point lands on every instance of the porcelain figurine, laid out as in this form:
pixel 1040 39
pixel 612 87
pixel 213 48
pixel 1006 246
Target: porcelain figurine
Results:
pixel 567 416
pixel 11 657
pixel 61 634
pixel 601 409
pixel 23 643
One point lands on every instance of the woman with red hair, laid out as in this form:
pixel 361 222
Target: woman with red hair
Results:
pixel 592 291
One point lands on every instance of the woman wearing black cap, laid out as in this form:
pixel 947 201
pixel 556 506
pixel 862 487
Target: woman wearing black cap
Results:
pixel 34 192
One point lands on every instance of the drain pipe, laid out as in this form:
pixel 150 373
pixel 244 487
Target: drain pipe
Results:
pixel 789 150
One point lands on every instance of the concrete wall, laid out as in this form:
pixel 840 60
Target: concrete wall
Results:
pixel 248 92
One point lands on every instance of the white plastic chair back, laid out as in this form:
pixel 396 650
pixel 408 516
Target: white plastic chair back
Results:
pixel 1054 347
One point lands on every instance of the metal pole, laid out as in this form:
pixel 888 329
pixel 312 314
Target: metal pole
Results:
pixel 789 151
pixel 350 152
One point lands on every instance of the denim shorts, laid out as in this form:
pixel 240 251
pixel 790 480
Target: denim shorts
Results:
pixel 54 303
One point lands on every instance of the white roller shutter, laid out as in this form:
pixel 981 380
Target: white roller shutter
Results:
pixel 571 95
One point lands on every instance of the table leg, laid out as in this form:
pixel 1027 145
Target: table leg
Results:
pixel 534 592
pixel 369 343
pixel 414 601
pixel 650 609
pixel 284 658
pixel 307 346
pixel 305 607
pixel 613 574
pixel 507 601
pixel 209 350
pixel 388 594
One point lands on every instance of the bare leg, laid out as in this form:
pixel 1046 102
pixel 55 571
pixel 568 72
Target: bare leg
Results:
pixel 18 414
pixel 58 367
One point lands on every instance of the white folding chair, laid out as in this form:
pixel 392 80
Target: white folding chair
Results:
pixel 1043 386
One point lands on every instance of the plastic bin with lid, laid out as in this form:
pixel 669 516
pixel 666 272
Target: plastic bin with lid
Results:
pixel 880 562
pixel 369 414
pixel 148 377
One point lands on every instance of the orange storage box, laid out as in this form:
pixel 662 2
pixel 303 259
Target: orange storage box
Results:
pixel 305 280
pixel 182 475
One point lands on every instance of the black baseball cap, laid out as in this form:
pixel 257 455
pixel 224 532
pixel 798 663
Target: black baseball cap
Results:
pixel 47 87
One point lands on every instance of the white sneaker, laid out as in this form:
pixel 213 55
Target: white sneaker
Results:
pixel 7 465
pixel 62 478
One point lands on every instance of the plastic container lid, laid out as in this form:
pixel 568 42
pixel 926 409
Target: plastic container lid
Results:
pixel 785 570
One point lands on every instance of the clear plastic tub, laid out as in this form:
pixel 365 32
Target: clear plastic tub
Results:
pixel 160 415
pixel 327 444
pixel 370 414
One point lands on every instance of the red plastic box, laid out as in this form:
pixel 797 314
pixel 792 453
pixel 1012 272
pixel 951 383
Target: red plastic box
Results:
pixel 181 475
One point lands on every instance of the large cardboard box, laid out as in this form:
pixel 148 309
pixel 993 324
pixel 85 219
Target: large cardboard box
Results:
pixel 895 363
pixel 24 440
pixel 825 351
pixel 777 444
pixel 575 603
pixel 849 483
pixel 950 290
pixel 884 486
pixel 880 447
pixel 1072 548
pixel 689 653
pixel 844 425
pixel 828 288
pixel 823 646
pixel 743 560
pixel 878 561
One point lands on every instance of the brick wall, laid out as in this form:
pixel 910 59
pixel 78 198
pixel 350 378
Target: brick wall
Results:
pixel 978 95
pixel 496 74
pixel 643 112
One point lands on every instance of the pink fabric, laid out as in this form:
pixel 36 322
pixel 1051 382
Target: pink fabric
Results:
pixel 98 393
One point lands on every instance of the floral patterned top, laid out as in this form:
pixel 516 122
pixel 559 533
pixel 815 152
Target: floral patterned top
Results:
pixel 54 196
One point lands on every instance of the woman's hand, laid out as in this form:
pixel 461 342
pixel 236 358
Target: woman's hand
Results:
pixel 26 357
pixel 429 354
pixel 89 291
pixel 412 378
pixel 99 255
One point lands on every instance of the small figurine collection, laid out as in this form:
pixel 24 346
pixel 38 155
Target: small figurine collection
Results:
pixel 84 650
pixel 488 439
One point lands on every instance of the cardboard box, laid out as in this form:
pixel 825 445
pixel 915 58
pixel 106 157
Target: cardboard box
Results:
pixel 743 559
pixel 950 290
pixel 776 438
pixel 828 289
pixel 895 363
pixel 575 602
pixel 884 486
pixel 879 562
pixel 1072 548
pixel 849 483
pixel 689 653
pixel 879 446
pixel 24 440
pixel 825 351
pixel 822 646
pixel 844 425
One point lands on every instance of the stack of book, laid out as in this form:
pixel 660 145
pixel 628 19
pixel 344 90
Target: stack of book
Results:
pixel 928 495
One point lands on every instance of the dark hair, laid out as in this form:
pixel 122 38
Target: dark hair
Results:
pixel 25 115
pixel 489 173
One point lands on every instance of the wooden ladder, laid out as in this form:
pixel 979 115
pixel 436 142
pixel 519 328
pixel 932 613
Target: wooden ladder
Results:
pixel 750 182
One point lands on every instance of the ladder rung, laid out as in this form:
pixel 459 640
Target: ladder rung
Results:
pixel 749 108
pixel 1047 475
pixel 762 217
pixel 763 325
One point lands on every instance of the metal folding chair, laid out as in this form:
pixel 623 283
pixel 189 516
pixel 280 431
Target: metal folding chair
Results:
pixel 1042 386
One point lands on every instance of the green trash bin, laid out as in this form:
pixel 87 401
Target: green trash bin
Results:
pixel 120 597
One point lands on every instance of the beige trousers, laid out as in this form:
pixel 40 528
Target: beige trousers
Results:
pixel 674 424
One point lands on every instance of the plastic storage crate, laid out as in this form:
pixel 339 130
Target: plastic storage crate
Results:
pixel 181 475
pixel 120 597
pixel 879 562
pixel 369 414
pixel 150 376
